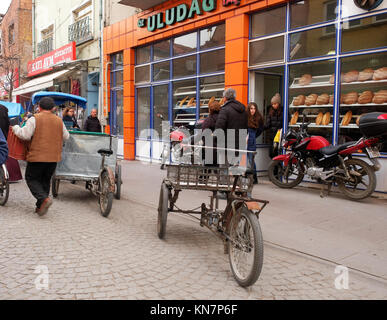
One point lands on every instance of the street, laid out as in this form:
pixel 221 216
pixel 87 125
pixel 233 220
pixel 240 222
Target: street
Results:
pixel 81 255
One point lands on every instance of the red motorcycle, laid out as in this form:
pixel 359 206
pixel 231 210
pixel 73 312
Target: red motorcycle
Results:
pixel 315 157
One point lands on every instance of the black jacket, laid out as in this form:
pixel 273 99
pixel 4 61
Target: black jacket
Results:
pixel 209 123
pixel 92 124
pixel 273 122
pixel 68 120
pixel 4 120
pixel 233 115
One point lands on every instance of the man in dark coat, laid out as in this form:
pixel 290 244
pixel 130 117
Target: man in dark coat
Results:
pixel 92 123
pixel 232 116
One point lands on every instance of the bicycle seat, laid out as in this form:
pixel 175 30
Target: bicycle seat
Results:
pixel 106 152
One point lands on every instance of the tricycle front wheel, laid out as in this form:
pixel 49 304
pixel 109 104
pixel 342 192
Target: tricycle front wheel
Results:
pixel 162 211
pixel 106 195
pixel 4 188
pixel 118 182
pixel 246 247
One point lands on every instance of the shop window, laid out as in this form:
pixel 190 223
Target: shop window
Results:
pixel 304 13
pixel 161 50
pixel 119 113
pixel 268 22
pixel 212 61
pixel 142 74
pixel 143 55
pixel 185 44
pixel 362 34
pixel 311 43
pixel 311 91
pixel 183 67
pixel 212 37
pixel 143 112
pixel 11 34
pixel 363 85
pixel 117 102
pixel 211 89
pixel 266 51
pixel 161 71
pixel 184 102
pixel 119 78
pixel 160 106
pixel 119 60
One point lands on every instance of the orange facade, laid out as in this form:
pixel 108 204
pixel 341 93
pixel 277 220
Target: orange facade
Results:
pixel 125 36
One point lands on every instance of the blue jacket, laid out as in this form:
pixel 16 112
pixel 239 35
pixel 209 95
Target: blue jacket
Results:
pixel 3 148
pixel 253 135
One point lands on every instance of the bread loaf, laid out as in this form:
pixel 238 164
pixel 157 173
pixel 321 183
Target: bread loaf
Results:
pixel 182 101
pixel 322 99
pixel 380 74
pixel 191 102
pixel 347 118
pixel 351 76
pixel 366 74
pixel 294 119
pixel 350 98
pixel 380 97
pixel 319 118
pixel 305 79
pixel 311 99
pixel 331 99
pixel 299 100
pixel 332 79
pixel 365 97
pixel 326 119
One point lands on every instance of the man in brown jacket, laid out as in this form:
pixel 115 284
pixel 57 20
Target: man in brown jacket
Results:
pixel 46 132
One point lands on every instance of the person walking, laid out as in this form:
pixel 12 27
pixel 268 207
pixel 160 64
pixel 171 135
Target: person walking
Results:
pixel 274 123
pixel 4 120
pixel 69 119
pixel 255 128
pixel 92 123
pixel 46 131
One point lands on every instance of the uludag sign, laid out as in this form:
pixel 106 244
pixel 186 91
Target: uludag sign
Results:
pixel 45 62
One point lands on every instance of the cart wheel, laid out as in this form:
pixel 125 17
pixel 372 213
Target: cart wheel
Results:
pixel 4 188
pixel 105 196
pixel 55 187
pixel 162 211
pixel 118 183
pixel 246 248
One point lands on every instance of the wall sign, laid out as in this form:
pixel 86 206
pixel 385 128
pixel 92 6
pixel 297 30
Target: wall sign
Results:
pixel 45 62
pixel 367 4
pixel 181 13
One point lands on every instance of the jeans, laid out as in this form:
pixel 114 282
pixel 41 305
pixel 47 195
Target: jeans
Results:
pixel 38 177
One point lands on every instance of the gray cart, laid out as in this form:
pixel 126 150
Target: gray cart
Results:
pixel 91 158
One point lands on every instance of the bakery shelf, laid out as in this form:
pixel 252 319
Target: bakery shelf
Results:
pixel 363 104
pixel 312 106
pixel 311 125
pixel 317 81
pixel 371 82
pixel 350 126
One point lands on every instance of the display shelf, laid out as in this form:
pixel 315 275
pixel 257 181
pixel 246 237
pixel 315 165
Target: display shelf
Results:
pixel 365 83
pixel 312 106
pixel 311 125
pixel 363 105
pixel 317 82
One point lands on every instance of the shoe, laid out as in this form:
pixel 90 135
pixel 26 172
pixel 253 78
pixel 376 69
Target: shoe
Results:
pixel 44 207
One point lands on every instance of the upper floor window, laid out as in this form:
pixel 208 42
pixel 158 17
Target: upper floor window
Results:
pixel 11 34
pixel 46 44
pixel 82 28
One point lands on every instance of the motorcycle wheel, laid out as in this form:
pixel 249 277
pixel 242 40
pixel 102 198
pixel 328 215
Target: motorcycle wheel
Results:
pixel 363 180
pixel 277 174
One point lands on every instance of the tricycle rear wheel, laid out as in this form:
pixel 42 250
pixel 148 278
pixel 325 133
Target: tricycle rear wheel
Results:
pixel 162 211
pixel 4 188
pixel 246 248
pixel 106 195
pixel 118 182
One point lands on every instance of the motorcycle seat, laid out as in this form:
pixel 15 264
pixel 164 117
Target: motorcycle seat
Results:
pixel 336 149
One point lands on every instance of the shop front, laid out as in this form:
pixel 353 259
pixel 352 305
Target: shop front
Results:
pixel 327 59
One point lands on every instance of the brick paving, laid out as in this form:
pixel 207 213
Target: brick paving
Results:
pixel 121 257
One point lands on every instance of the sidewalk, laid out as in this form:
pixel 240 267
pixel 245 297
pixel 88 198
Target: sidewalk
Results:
pixel 333 228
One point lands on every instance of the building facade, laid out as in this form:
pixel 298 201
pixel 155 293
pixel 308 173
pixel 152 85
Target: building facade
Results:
pixel 15 46
pixel 174 57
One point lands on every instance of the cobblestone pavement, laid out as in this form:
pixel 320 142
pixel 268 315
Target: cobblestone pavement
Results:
pixel 121 257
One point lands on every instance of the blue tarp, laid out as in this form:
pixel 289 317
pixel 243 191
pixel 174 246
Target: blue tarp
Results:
pixel 59 98
pixel 14 109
